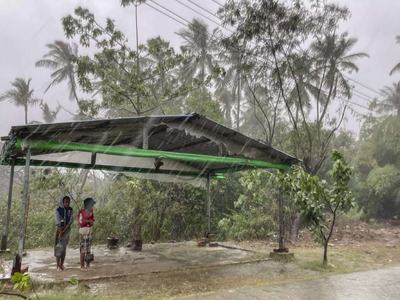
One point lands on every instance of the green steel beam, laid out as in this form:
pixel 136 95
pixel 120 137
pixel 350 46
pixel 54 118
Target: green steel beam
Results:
pixel 113 150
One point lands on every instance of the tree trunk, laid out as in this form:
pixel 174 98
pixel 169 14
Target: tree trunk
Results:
pixel 326 253
pixel 238 103
pixel 281 201
pixel 294 232
pixel 26 114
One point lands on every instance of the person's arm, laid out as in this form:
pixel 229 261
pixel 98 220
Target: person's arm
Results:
pixel 70 222
pixel 58 223
pixel 57 218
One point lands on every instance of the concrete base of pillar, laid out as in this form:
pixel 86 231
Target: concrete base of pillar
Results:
pixel 281 256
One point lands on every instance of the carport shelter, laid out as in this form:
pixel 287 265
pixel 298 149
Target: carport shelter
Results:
pixel 180 148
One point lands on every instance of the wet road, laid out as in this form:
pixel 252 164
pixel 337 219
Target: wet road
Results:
pixel 372 285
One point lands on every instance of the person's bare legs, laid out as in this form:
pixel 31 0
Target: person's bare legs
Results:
pixel 62 261
pixel 83 262
pixel 88 266
pixel 58 259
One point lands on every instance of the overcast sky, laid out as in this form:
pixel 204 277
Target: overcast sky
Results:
pixel 26 26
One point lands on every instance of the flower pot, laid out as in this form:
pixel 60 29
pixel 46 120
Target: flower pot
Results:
pixel 112 242
pixel 138 245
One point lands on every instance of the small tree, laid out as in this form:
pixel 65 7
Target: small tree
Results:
pixel 320 203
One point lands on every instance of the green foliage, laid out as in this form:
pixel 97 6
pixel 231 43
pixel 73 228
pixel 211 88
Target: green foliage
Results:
pixel 255 213
pixel 201 102
pixel 74 281
pixel 382 190
pixel 365 160
pixel 133 82
pixel 317 201
pixel 386 139
pixel 22 281
pixel 353 216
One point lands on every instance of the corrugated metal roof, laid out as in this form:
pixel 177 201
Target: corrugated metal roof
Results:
pixel 177 133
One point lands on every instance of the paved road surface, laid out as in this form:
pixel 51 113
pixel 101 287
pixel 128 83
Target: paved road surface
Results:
pixel 372 285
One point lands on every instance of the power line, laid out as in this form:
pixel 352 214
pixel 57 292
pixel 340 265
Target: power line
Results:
pixel 203 15
pixel 206 10
pixel 366 96
pixel 369 101
pixel 164 13
pixel 199 32
pixel 372 90
pixel 218 3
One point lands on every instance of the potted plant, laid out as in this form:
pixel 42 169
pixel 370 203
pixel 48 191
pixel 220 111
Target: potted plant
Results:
pixel 112 242
pixel 112 239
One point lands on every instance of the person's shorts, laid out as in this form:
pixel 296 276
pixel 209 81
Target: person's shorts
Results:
pixel 86 239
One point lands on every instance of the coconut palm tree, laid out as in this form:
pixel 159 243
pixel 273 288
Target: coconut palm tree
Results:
pixel 332 56
pixel 396 67
pixel 391 101
pixel 226 101
pixel 201 45
pixel 21 95
pixel 49 115
pixel 233 79
pixel 59 59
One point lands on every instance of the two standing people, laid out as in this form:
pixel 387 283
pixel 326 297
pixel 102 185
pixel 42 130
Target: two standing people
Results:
pixel 64 219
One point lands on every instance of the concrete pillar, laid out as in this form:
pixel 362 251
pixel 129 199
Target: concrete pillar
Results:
pixel 209 203
pixel 4 238
pixel 281 201
pixel 24 204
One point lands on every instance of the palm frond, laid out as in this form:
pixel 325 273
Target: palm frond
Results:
pixel 354 57
pixel 47 63
pixel 395 69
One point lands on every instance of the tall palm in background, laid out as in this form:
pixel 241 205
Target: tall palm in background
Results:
pixel 20 95
pixel 227 103
pixel 59 59
pixel 233 80
pixel 304 87
pixel 332 56
pixel 396 67
pixel 201 45
pixel 49 115
pixel 391 101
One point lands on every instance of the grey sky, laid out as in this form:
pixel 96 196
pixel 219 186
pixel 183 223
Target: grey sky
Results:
pixel 27 25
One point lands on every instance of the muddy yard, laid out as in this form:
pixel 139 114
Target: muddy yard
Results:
pixel 124 261
pixel 171 271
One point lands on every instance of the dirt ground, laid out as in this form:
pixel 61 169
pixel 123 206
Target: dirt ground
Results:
pixel 355 249
pixel 124 261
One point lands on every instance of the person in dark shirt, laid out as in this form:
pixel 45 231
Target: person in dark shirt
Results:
pixel 64 218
